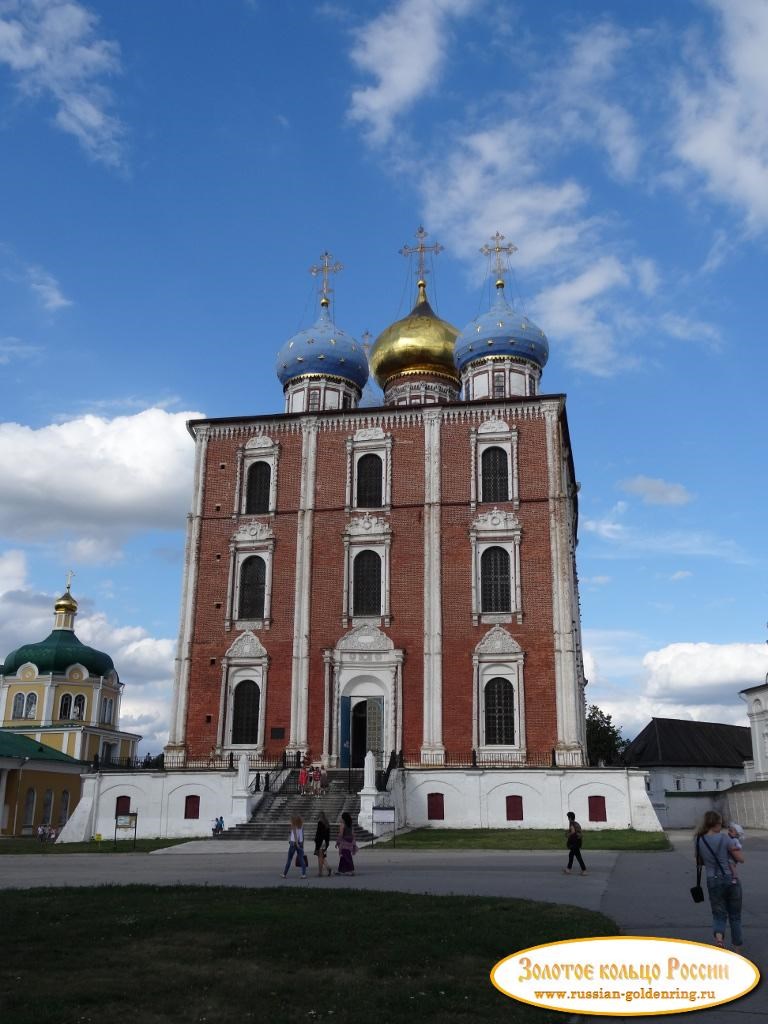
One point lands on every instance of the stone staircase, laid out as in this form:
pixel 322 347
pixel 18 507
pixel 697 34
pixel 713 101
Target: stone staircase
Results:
pixel 272 817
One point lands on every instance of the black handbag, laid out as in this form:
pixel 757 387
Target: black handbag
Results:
pixel 697 893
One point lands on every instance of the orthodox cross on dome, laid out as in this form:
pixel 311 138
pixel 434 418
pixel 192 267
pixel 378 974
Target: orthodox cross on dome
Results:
pixel 70 574
pixel 496 249
pixel 327 267
pixel 421 249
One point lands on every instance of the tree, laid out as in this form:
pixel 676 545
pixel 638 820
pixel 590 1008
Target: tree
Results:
pixel 604 740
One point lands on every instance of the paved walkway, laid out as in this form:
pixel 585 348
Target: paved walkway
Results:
pixel 645 893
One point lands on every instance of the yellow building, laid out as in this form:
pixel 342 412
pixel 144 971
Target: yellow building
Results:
pixel 66 695
pixel 38 785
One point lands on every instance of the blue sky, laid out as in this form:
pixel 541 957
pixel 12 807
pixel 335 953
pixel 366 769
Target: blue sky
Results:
pixel 168 174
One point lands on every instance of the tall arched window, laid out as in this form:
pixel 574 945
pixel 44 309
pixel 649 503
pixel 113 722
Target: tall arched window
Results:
pixel 47 807
pixel 366 584
pixel 65 706
pixel 18 706
pixel 253 578
pixel 29 808
pixel 64 807
pixel 369 481
pixel 496 581
pixel 107 706
pixel 499 712
pixel 30 707
pixel 495 475
pixel 258 488
pixel 78 708
pixel 245 713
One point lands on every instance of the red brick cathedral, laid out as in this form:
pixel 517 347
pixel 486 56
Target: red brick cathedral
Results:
pixel 397 577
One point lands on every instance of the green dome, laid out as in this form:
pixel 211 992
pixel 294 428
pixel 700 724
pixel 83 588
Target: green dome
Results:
pixel 56 653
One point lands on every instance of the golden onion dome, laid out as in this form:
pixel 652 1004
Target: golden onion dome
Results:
pixel 66 603
pixel 419 343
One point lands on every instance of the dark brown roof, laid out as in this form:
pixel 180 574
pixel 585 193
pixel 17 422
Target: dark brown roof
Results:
pixel 675 741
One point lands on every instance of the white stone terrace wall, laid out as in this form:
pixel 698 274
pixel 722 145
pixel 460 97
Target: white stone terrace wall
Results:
pixel 476 798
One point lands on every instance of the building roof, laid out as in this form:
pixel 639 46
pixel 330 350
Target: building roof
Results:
pixel 502 331
pixel 13 745
pixel 679 742
pixel 56 653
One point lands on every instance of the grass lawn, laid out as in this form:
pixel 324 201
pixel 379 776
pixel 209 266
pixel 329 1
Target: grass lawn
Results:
pixel 525 839
pixel 150 955
pixel 106 846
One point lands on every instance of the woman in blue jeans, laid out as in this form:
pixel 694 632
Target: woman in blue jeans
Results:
pixel 716 851
pixel 296 846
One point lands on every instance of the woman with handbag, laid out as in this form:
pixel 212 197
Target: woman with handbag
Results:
pixel 346 845
pixel 714 850
pixel 296 845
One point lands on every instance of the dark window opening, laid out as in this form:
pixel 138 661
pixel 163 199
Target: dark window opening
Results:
pixel 245 713
pixel 499 384
pixel 495 581
pixel 597 808
pixel 514 808
pixel 435 807
pixel 277 732
pixel 257 491
pixel 499 712
pixel 495 475
pixel 192 807
pixel 253 579
pixel 366 587
pixel 369 482
pixel 65 707
pixel 314 400
pixel 122 805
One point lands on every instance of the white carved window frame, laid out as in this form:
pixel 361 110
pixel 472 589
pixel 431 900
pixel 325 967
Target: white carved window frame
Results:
pixel 496 529
pixel 366 533
pixel 252 538
pixel 258 449
pixel 245 659
pixel 494 434
pixel 498 656
pixel 369 441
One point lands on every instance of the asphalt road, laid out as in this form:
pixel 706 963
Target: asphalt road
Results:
pixel 645 893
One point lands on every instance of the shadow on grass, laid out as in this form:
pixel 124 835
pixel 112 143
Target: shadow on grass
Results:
pixel 150 955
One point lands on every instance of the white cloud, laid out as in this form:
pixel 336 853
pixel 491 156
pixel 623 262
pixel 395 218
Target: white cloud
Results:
pixel 404 49
pixel 654 491
pixel 647 276
pixel 688 329
pixel 703 671
pixel 681 574
pixel 93 481
pixel 54 52
pixel 13 571
pixel 13 348
pixel 721 132
pixel 47 289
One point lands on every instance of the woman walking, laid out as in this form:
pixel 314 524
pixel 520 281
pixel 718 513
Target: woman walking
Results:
pixel 322 839
pixel 346 845
pixel 296 846
pixel 715 849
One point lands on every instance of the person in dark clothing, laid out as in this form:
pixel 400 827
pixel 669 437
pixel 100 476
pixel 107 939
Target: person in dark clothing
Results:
pixel 322 839
pixel 573 841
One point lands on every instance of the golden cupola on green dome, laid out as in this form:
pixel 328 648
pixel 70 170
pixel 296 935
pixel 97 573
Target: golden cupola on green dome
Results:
pixel 413 359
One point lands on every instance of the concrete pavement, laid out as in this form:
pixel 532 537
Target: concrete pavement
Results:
pixel 645 893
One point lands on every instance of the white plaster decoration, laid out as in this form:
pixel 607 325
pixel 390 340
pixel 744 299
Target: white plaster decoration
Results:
pixel 757 713
pixel 318 393
pixel 303 585
pixel 366 533
pixel 569 678
pixel 260 448
pixel 482 377
pixel 498 656
pixel 365 663
pixel 369 441
pixel 327 674
pixel 245 659
pixel 496 528
pixel 177 737
pixel 246 647
pixel 415 391
pixel 251 538
pixel 432 740
pixel 494 433
pixel 497 641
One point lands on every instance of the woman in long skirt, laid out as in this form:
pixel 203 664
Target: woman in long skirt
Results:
pixel 346 845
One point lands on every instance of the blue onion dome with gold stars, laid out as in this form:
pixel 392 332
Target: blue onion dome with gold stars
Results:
pixel 323 349
pixel 502 331
pixel 61 649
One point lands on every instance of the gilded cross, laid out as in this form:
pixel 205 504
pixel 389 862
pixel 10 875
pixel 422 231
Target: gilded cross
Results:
pixel 421 248
pixel 497 248
pixel 70 574
pixel 327 267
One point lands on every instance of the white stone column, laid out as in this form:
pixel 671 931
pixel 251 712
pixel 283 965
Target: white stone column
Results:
pixel 565 610
pixel 303 588
pixel 177 734
pixel 327 673
pixel 432 743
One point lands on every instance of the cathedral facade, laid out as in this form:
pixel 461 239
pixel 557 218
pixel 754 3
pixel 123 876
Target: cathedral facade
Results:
pixel 398 578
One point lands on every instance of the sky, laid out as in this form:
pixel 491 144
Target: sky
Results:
pixel 169 173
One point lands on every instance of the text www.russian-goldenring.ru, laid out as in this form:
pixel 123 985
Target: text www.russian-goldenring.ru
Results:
pixel 689 996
